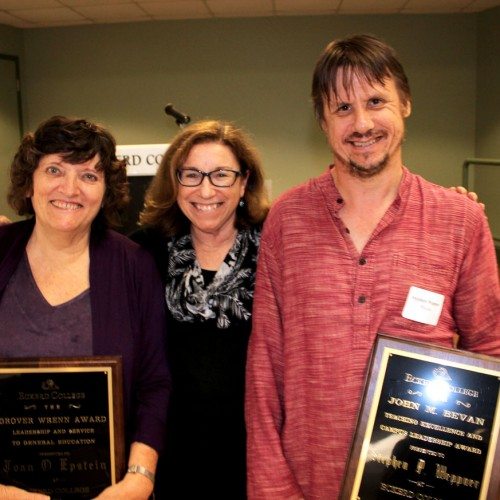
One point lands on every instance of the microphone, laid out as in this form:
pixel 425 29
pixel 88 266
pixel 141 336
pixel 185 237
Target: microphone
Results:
pixel 180 118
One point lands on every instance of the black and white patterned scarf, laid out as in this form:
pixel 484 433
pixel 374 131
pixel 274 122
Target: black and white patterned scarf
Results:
pixel 228 297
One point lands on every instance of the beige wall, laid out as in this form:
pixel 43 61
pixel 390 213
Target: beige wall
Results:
pixel 257 73
pixel 11 41
pixel 11 44
pixel 487 179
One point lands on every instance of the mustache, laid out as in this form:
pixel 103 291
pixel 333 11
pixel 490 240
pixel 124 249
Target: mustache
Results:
pixel 367 135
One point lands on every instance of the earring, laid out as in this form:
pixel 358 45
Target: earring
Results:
pixel 241 203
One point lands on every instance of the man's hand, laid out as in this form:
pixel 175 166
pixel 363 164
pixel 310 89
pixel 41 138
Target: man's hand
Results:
pixel 4 220
pixel 470 194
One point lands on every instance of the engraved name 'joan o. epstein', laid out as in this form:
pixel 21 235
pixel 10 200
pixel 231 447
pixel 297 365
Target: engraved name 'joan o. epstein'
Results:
pixel 61 426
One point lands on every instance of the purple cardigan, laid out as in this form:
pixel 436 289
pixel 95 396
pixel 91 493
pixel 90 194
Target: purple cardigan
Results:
pixel 128 319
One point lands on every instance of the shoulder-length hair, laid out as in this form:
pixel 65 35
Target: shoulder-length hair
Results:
pixel 364 56
pixel 77 141
pixel 160 204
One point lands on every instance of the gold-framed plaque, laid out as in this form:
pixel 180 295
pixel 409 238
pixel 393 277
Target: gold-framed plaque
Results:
pixel 428 425
pixel 61 425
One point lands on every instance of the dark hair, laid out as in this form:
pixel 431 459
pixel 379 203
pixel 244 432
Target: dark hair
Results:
pixel 77 141
pixel 364 56
pixel 160 207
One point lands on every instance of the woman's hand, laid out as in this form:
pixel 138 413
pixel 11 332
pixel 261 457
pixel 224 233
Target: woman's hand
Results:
pixel 4 220
pixel 134 486
pixel 131 487
pixel 13 493
pixel 470 194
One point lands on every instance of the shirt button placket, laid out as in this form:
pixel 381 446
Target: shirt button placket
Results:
pixel 361 298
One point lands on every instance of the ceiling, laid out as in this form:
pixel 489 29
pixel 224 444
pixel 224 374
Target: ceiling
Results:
pixel 46 13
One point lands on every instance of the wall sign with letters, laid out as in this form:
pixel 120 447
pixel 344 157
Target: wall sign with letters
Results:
pixel 142 159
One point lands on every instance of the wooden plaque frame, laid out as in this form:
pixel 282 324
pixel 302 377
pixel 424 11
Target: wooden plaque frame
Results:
pixel 444 423
pixel 46 407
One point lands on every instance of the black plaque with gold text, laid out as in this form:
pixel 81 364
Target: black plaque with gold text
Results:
pixel 61 425
pixel 428 426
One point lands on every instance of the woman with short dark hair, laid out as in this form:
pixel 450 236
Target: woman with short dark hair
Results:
pixel 69 286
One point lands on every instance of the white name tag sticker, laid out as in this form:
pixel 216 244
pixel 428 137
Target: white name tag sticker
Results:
pixel 423 306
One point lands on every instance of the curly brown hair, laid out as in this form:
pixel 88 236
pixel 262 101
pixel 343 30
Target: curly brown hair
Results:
pixel 160 206
pixel 77 141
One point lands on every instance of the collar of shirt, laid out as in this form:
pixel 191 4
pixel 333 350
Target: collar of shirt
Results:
pixel 335 202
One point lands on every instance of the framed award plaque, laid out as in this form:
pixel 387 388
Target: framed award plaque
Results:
pixel 61 425
pixel 428 425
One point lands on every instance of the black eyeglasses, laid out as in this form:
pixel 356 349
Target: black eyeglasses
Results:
pixel 221 177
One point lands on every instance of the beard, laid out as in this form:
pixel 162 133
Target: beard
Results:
pixel 367 171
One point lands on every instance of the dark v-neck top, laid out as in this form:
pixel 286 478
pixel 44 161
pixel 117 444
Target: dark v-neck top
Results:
pixel 32 327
